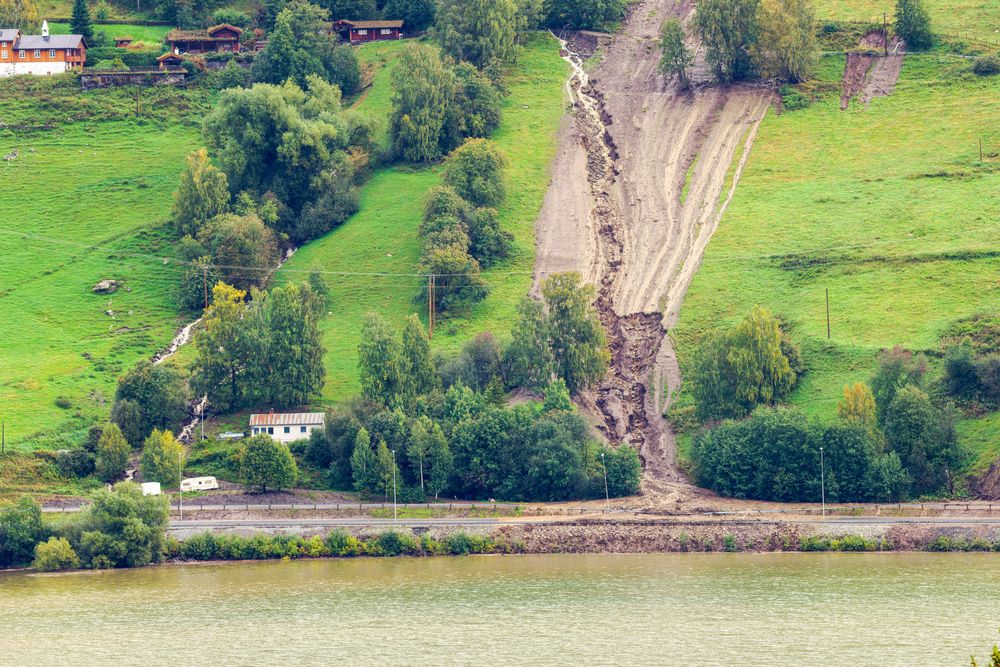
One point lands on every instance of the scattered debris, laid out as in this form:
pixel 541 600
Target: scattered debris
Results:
pixel 106 287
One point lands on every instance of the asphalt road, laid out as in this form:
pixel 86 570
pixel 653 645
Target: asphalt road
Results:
pixel 462 522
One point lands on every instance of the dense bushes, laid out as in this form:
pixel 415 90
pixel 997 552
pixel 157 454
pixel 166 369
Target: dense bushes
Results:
pixel 56 554
pixel 148 396
pixel 913 25
pixel 266 464
pixel 584 14
pixel 986 66
pixel 21 528
pixel 338 544
pixel 774 455
pixel 972 377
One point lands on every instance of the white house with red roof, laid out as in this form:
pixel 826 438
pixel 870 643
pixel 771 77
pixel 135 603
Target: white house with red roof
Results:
pixel 287 426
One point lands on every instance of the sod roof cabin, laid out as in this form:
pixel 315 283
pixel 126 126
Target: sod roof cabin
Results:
pixel 220 38
pixel 367 31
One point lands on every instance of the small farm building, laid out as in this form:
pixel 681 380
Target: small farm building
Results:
pixel 367 31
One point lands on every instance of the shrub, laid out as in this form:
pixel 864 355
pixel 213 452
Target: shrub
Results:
pixel 986 66
pixel 394 543
pixel 56 554
pixel 814 543
pixel 162 459
pixel 855 543
pixel 202 546
pixel 729 544
pixel 77 462
pixel 913 24
pixel 341 543
pixel 112 453
pixel 462 544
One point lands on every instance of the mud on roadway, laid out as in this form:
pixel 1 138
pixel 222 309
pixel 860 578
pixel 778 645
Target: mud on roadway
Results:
pixel 642 177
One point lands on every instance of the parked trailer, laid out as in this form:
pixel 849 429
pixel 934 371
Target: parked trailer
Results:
pixel 199 484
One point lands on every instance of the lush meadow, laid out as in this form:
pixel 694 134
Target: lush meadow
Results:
pixel 967 18
pixel 889 208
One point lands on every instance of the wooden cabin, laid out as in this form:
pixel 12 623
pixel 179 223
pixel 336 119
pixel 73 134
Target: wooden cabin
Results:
pixel 122 42
pixel 223 38
pixel 359 32
pixel 170 61
pixel 40 54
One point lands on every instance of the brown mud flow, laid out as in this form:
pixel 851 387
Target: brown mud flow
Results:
pixel 872 71
pixel 642 178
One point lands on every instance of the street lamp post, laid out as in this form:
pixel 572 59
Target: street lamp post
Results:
pixel 607 496
pixel 394 485
pixel 822 480
pixel 180 486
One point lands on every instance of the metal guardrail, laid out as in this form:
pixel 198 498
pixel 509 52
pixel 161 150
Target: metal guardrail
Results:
pixel 215 507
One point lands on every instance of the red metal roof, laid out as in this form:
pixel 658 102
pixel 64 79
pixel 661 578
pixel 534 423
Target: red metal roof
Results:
pixel 288 419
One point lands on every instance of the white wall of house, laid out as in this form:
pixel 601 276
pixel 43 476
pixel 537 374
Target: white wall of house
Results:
pixel 287 433
pixel 6 68
pixel 41 68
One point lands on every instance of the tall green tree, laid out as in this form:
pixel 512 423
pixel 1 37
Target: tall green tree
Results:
pixel 729 30
pixel 353 10
pixel 584 14
pixel 475 171
pixel 79 23
pixel 528 357
pixel 482 32
pixel 243 249
pixel 417 15
pixel 202 195
pixel 576 335
pixel 786 47
pixel 222 368
pixel 423 89
pixel 675 56
pixel 162 459
pixel 364 464
pixel 426 438
pixel 416 357
pixel 381 363
pixel 737 369
pixel 924 438
pixel 913 25
pixel 266 464
pixel 21 527
pixel 159 396
pixel 389 474
pixel 440 462
pixel 113 451
pixel 121 528
pixel 897 368
pixel 290 368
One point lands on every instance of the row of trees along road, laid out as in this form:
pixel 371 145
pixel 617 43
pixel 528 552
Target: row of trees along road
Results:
pixel 892 441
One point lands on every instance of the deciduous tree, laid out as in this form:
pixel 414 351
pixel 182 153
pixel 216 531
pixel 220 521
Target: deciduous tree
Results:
pixel 222 368
pixel 528 358
pixel 266 464
pixel 417 15
pixel 482 32
pixel 243 249
pixel 416 357
pixel 202 195
pixel 21 528
pixel 113 451
pixel 913 24
pixel 423 89
pixel 475 171
pixel 162 459
pixel 729 31
pixel 381 364
pixel 675 56
pixel 22 14
pixel 576 335
pixel 786 46
pixel 158 392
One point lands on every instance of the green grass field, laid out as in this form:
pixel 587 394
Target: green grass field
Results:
pixel 140 33
pixel 382 238
pixel 889 208
pixel 83 203
pixel 967 18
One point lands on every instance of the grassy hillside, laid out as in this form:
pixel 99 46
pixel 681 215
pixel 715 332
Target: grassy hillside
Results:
pixel 140 33
pixel 81 203
pixel 382 238
pixel 889 208
pixel 973 18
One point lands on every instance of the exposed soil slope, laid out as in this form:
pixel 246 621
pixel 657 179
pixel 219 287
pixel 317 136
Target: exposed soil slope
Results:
pixel 641 181
pixel 872 72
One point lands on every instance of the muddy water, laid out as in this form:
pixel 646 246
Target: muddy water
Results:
pixel 679 609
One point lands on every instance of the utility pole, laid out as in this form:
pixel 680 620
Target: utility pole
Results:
pixel 607 496
pixel 394 485
pixel 822 480
pixel 828 313
pixel 202 417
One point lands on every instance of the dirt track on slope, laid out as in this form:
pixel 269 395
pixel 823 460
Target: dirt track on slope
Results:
pixel 615 213
pixel 869 73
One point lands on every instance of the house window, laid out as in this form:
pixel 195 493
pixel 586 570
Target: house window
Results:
pixel 386 31
pixel 288 429
pixel 302 429
pixel 52 54
pixel 20 54
pixel 362 32
pixel 38 54
pixel 270 430
pixel 3 55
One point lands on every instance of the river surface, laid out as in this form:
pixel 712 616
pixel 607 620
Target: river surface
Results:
pixel 665 609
